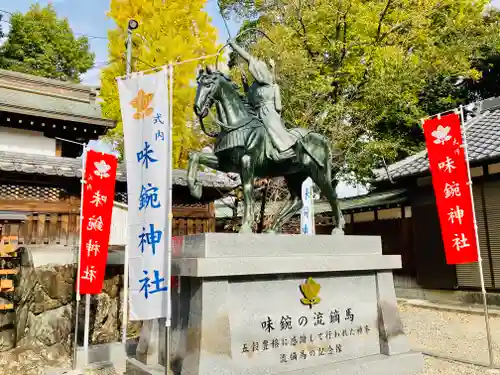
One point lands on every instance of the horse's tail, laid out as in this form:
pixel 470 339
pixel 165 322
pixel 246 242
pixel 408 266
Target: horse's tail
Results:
pixel 327 160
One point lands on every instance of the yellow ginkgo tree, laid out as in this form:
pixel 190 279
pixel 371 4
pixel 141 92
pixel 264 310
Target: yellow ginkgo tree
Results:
pixel 169 31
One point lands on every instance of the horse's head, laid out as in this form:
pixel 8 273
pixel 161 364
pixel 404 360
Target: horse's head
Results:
pixel 208 84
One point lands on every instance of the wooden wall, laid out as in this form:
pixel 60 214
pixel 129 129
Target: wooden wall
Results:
pixel 397 239
pixel 59 222
pixel 193 219
pixel 40 229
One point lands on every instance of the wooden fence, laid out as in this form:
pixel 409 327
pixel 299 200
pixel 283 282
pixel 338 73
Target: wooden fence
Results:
pixel 40 229
pixel 55 228
pixel 186 226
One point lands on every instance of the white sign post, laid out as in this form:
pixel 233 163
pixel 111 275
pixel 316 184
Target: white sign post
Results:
pixel 144 101
pixel 307 225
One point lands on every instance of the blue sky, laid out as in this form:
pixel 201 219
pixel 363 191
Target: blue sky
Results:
pixel 89 17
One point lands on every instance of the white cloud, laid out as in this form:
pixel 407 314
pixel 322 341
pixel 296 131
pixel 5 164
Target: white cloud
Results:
pixel 92 77
pixel 345 190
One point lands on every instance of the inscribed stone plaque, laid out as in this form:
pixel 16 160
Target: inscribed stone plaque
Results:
pixel 272 331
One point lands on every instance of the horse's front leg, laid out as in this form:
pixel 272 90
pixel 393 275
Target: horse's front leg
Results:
pixel 195 160
pixel 247 177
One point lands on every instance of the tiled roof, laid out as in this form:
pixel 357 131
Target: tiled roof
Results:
pixel 42 102
pixel 483 141
pixel 69 167
pixel 48 98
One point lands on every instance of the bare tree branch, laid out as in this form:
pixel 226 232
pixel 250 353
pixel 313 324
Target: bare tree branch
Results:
pixel 381 19
pixel 303 34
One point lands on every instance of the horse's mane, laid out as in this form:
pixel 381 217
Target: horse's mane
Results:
pixel 250 109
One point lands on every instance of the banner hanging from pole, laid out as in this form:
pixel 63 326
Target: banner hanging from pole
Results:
pixel 144 102
pixel 307 225
pixel 97 208
pixel 450 179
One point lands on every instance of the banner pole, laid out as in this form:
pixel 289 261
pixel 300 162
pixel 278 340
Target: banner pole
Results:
pixel 129 51
pixel 126 253
pixel 86 329
pixel 168 320
pixel 125 297
pixel 78 266
pixel 479 259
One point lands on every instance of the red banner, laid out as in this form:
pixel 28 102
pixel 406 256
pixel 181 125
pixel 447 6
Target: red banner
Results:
pixel 450 178
pixel 98 197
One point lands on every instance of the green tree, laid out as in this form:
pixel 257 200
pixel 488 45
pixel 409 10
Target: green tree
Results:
pixel 169 31
pixel 363 72
pixel 41 44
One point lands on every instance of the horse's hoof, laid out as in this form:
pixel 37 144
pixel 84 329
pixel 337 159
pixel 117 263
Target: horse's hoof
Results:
pixel 337 232
pixel 196 190
pixel 245 228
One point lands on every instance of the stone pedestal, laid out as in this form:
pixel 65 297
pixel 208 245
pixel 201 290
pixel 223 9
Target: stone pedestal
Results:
pixel 239 308
pixel 151 347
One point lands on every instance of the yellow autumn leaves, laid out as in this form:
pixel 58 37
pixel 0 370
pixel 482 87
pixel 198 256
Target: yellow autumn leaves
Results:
pixel 174 30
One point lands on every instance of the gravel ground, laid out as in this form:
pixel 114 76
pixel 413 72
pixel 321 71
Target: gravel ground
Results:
pixel 434 366
pixel 451 334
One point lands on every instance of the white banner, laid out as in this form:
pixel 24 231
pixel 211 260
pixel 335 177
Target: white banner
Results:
pixel 307 225
pixel 144 102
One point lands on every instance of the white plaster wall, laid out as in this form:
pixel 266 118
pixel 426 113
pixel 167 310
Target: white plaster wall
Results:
pixel 26 141
pixel 118 234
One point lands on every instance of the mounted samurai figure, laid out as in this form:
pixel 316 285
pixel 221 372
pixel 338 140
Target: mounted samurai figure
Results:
pixel 254 142
pixel 264 96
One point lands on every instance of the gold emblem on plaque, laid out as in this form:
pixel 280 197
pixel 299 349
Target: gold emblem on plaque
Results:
pixel 310 289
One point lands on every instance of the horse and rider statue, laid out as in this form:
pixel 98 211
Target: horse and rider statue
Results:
pixel 253 142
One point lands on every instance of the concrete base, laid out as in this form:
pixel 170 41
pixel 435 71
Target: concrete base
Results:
pixel 402 364
pixel 135 367
pixel 239 309
pixel 151 347
pixel 113 353
pixel 101 367
pixel 63 372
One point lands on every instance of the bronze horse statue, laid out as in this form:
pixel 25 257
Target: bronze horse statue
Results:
pixel 242 146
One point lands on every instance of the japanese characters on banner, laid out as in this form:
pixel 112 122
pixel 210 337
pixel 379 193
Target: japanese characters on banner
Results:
pixel 98 196
pixel 450 178
pixel 144 106
pixel 307 212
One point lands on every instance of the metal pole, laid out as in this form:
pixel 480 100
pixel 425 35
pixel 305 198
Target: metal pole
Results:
pixel 168 320
pixel 125 297
pixel 129 51
pixel 479 259
pixel 86 329
pixel 126 253
pixel 78 297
